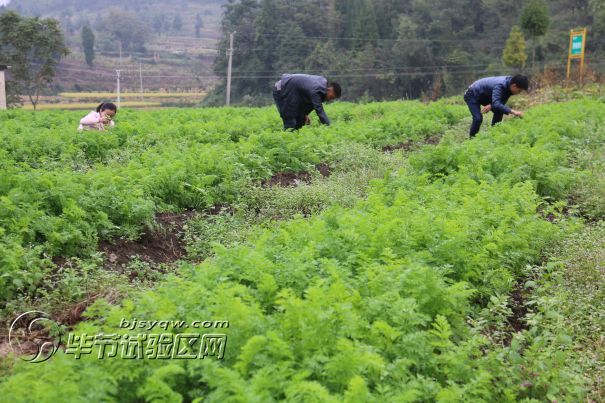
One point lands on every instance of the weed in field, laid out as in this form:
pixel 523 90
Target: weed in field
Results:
pixel 570 302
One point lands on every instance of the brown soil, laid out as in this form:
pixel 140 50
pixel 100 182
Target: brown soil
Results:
pixel 324 169
pixel 407 146
pixel 410 145
pixel 287 179
pixel 293 179
pixel 60 261
pixel 28 344
pixel 519 311
pixel 161 245
pixel 73 315
pixel 433 140
pixel 517 305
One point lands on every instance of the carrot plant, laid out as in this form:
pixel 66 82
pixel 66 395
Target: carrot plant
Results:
pixel 369 303
pixel 61 191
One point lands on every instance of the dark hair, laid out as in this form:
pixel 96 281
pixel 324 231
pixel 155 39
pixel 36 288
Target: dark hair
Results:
pixel 107 106
pixel 520 81
pixel 337 88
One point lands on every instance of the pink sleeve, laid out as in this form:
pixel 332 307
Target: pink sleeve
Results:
pixel 91 119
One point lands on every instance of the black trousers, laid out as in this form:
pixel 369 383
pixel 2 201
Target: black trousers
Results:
pixel 290 122
pixel 475 107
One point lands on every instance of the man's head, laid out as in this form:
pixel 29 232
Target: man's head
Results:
pixel 334 91
pixel 518 84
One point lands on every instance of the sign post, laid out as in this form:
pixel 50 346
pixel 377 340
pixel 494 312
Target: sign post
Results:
pixel 577 46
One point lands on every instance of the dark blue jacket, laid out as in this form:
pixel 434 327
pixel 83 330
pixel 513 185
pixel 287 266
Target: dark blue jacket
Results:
pixel 303 93
pixel 494 91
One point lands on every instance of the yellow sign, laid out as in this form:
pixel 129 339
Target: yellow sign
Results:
pixel 577 46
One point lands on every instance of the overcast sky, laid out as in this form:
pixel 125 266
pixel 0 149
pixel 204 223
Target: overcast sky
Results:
pixel 4 2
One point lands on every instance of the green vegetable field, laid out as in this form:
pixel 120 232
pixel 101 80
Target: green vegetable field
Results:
pixel 425 275
pixel 63 191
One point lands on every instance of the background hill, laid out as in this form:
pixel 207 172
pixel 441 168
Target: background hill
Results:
pixel 378 49
pixel 171 44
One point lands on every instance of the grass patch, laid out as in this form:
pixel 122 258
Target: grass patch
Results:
pixel 571 304
pixel 259 207
pixel 590 189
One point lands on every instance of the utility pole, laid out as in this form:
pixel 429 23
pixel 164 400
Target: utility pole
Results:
pixel 230 55
pixel 118 89
pixel 3 104
pixel 141 78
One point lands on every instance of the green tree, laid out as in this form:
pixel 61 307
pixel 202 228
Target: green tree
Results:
pixel 387 13
pixel 177 23
pixel 418 44
pixel 597 33
pixel 199 24
pixel 33 47
pixel 158 23
pixel 535 20
pixel 238 16
pixel 88 43
pixel 514 52
pixel 127 28
pixel 359 22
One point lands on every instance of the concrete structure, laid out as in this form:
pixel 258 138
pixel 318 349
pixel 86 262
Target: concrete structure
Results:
pixel 3 67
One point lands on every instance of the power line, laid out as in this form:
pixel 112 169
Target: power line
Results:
pixel 372 72
pixel 375 73
pixel 386 68
pixel 367 72
pixel 373 39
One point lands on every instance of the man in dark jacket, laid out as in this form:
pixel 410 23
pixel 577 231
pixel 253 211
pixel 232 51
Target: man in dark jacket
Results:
pixel 492 93
pixel 296 95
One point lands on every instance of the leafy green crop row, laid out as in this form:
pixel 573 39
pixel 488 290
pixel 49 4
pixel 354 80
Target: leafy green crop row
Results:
pixel 364 304
pixel 61 190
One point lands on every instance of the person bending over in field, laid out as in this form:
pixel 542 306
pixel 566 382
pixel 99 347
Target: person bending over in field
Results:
pixel 297 95
pixel 492 93
pixel 99 119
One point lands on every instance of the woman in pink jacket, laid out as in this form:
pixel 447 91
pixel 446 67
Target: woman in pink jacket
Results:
pixel 100 119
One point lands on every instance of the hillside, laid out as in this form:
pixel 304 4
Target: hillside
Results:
pixel 174 55
pixel 387 49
